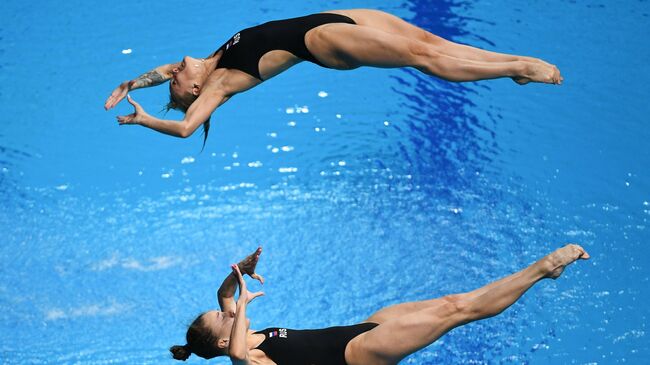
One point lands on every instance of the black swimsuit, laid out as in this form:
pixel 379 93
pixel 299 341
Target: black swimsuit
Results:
pixel 244 50
pixel 310 347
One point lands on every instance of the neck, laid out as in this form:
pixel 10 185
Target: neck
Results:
pixel 253 340
pixel 213 60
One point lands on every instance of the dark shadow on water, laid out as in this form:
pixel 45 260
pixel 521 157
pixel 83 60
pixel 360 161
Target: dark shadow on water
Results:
pixel 10 192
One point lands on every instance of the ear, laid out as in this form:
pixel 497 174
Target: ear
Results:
pixel 223 343
pixel 196 89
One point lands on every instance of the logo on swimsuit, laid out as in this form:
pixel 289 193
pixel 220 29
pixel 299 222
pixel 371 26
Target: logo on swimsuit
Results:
pixel 233 41
pixel 281 332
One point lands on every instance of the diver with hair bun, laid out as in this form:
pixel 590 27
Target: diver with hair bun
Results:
pixel 384 338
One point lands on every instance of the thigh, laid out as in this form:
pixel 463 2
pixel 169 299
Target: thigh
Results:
pixel 399 337
pixel 388 23
pixel 401 309
pixel 347 46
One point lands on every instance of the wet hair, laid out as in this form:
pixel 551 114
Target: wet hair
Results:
pixel 182 105
pixel 200 341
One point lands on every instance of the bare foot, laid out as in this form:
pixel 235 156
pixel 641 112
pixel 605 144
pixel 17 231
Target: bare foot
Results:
pixel 538 72
pixel 558 260
pixel 521 80
pixel 557 76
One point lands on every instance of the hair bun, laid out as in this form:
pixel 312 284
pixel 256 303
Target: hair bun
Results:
pixel 180 352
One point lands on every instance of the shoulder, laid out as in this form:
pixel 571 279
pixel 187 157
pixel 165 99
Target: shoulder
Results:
pixel 230 81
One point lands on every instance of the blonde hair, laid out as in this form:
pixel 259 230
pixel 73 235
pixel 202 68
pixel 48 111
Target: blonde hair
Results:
pixel 182 105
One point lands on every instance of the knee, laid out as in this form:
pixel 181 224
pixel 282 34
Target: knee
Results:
pixel 421 51
pixel 457 305
pixel 425 58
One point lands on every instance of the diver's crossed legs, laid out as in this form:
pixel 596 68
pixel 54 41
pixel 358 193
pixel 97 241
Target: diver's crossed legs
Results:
pixel 382 40
pixel 406 328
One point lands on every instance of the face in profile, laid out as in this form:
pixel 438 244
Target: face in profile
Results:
pixel 220 323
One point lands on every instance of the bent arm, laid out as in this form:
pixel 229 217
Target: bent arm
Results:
pixel 238 349
pixel 226 294
pixel 197 114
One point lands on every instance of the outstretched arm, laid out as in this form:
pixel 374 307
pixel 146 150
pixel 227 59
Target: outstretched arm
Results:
pixel 226 292
pixel 154 77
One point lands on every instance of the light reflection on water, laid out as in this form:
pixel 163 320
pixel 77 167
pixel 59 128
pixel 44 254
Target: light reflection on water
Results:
pixel 390 188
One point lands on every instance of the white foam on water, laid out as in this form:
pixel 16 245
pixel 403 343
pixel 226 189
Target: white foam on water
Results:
pixel 322 94
pixel 91 310
pixel 285 170
pixel 188 159
pixel 127 51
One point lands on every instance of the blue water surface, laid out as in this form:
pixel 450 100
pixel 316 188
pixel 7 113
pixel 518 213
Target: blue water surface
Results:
pixel 366 188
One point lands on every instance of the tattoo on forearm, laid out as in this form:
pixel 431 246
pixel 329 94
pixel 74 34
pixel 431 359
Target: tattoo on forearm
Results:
pixel 151 78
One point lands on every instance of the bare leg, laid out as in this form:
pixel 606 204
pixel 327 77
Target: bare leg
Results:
pixel 395 25
pixel 345 46
pixel 394 339
pixel 397 310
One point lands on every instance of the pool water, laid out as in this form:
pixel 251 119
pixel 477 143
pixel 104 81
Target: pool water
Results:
pixel 365 188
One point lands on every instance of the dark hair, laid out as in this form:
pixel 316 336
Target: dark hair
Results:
pixel 200 341
pixel 177 104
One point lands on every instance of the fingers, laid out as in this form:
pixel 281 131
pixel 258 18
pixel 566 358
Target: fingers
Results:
pixel 110 102
pixel 258 277
pixel 238 275
pixel 126 119
pixel 235 270
pixel 113 99
pixel 252 296
pixel 131 101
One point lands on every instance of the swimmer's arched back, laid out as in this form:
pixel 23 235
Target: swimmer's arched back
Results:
pixel 337 39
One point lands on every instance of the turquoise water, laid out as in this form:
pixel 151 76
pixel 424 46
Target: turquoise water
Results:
pixel 366 188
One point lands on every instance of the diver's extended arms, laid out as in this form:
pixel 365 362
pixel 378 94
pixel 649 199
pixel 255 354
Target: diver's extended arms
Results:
pixel 154 77
pixel 226 292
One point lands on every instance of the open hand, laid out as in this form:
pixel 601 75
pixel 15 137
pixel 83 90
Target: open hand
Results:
pixel 137 117
pixel 244 294
pixel 247 265
pixel 117 95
